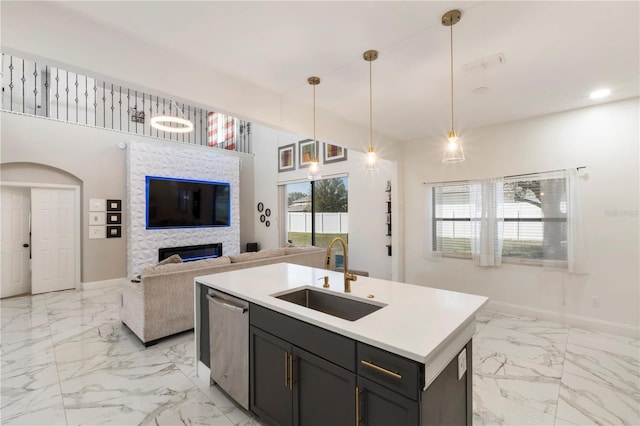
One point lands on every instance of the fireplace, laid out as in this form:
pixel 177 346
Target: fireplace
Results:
pixel 189 253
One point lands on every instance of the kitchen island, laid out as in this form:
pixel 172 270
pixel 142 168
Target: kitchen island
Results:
pixel 407 361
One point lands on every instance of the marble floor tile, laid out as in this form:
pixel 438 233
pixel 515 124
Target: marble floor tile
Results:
pixel 67 359
pixel 547 329
pixel 490 409
pixel 524 368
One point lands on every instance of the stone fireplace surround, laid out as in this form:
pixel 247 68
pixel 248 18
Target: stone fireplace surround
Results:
pixel 184 161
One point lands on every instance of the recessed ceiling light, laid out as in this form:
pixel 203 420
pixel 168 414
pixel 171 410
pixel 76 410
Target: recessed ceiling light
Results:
pixel 600 93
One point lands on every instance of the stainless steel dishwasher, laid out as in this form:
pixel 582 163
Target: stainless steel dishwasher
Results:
pixel 229 345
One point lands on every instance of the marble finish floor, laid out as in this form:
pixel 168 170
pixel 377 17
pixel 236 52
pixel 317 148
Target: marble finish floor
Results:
pixel 67 360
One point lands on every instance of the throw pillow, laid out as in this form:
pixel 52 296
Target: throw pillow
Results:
pixel 174 258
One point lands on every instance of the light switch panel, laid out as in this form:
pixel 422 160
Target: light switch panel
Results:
pixel 97 204
pixel 97 218
pixel 96 232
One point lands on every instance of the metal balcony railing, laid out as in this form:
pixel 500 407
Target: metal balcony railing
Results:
pixel 33 88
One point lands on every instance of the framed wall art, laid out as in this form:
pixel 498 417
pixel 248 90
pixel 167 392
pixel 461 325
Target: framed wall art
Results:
pixel 114 205
pixel 307 151
pixel 333 153
pixel 286 158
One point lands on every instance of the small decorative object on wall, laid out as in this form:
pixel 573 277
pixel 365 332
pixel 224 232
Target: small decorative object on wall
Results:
pixel 97 218
pixel 286 158
pixel 114 231
pixel 260 207
pixel 333 153
pixel 308 151
pixel 97 204
pixel 267 224
pixel 267 212
pixel 114 205
pixel 114 218
pixel 262 218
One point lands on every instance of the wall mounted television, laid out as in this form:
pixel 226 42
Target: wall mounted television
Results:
pixel 184 203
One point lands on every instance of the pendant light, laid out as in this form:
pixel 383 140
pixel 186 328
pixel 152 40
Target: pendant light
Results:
pixel 314 166
pixel 453 153
pixel 372 159
pixel 172 123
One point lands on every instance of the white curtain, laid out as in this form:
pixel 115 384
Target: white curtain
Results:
pixel 486 205
pixel 575 242
pixel 430 251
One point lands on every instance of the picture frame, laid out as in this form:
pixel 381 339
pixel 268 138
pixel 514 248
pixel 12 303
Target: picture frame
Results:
pixel 333 153
pixel 114 231
pixel 114 205
pixel 114 218
pixel 307 151
pixel 286 158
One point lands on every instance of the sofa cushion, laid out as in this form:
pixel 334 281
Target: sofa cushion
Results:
pixel 296 250
pixel 186 266
pixel 262 254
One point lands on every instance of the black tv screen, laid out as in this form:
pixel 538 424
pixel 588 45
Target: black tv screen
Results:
pixel 183 203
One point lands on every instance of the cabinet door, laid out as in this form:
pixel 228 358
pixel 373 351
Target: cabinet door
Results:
pixel 381 406
pixel 323 393
pixel 270 393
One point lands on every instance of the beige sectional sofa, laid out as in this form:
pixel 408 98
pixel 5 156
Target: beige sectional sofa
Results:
pixel 161 304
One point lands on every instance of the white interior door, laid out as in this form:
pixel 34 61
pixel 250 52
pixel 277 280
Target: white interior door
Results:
pixel 15 235
pixel 53 239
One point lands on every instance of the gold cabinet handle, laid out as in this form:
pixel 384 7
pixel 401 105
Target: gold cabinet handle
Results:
pixel 286 369
pixel 380 369
pixel 357 406
pixel 291 359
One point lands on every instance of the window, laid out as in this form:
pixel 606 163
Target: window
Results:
pixel 535 218
pixel 452 220
pixel 532 219
pixel 317 211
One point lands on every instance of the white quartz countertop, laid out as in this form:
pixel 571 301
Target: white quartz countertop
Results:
pixel 424 324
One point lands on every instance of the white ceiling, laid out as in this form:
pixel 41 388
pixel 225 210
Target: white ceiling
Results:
pixel 556 54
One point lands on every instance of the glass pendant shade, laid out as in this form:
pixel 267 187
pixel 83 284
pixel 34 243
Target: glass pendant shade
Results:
pixel 453 153
pixel 371 164
pixel 314 170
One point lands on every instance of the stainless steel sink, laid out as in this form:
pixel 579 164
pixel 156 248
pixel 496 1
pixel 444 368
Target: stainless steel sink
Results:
pixel 331 304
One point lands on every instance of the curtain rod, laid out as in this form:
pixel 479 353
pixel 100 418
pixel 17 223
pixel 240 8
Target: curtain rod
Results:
pixel 506 177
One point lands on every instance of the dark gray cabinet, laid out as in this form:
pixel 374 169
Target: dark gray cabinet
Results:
pixel 379 406
pixel 304 375
pixel 290 386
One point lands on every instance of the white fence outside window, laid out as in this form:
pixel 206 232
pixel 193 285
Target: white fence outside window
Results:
pixel 326 223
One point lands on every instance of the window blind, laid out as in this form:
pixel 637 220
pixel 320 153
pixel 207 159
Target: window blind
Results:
pixel 451 220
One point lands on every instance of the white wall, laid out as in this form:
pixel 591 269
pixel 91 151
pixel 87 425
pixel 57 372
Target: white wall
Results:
pixel 92 156
pixel 602 138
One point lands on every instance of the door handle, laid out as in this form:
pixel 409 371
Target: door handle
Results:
pixel 381 370
pixel 25 245
pixel 234 308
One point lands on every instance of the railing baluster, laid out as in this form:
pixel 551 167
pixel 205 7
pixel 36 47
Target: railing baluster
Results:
pixel 23 80
pixel 120 104
pixel 57 93
pixel 67 91
pixel 77 99
pixel 112 107
pixel 11 86
pixel 35 88
pixel 128 110
pixel 46 91
pixel 86 100
pixel 95 103
pixel 104 105
pixel 143 130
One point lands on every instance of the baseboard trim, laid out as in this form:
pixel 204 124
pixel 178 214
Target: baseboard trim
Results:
pixel 104 283
pixel 569 319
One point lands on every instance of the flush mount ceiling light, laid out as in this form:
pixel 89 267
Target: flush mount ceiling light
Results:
pixel 453 153
pixel 172 123
pixel 372 159
pixel 314 166
pixel 600 93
